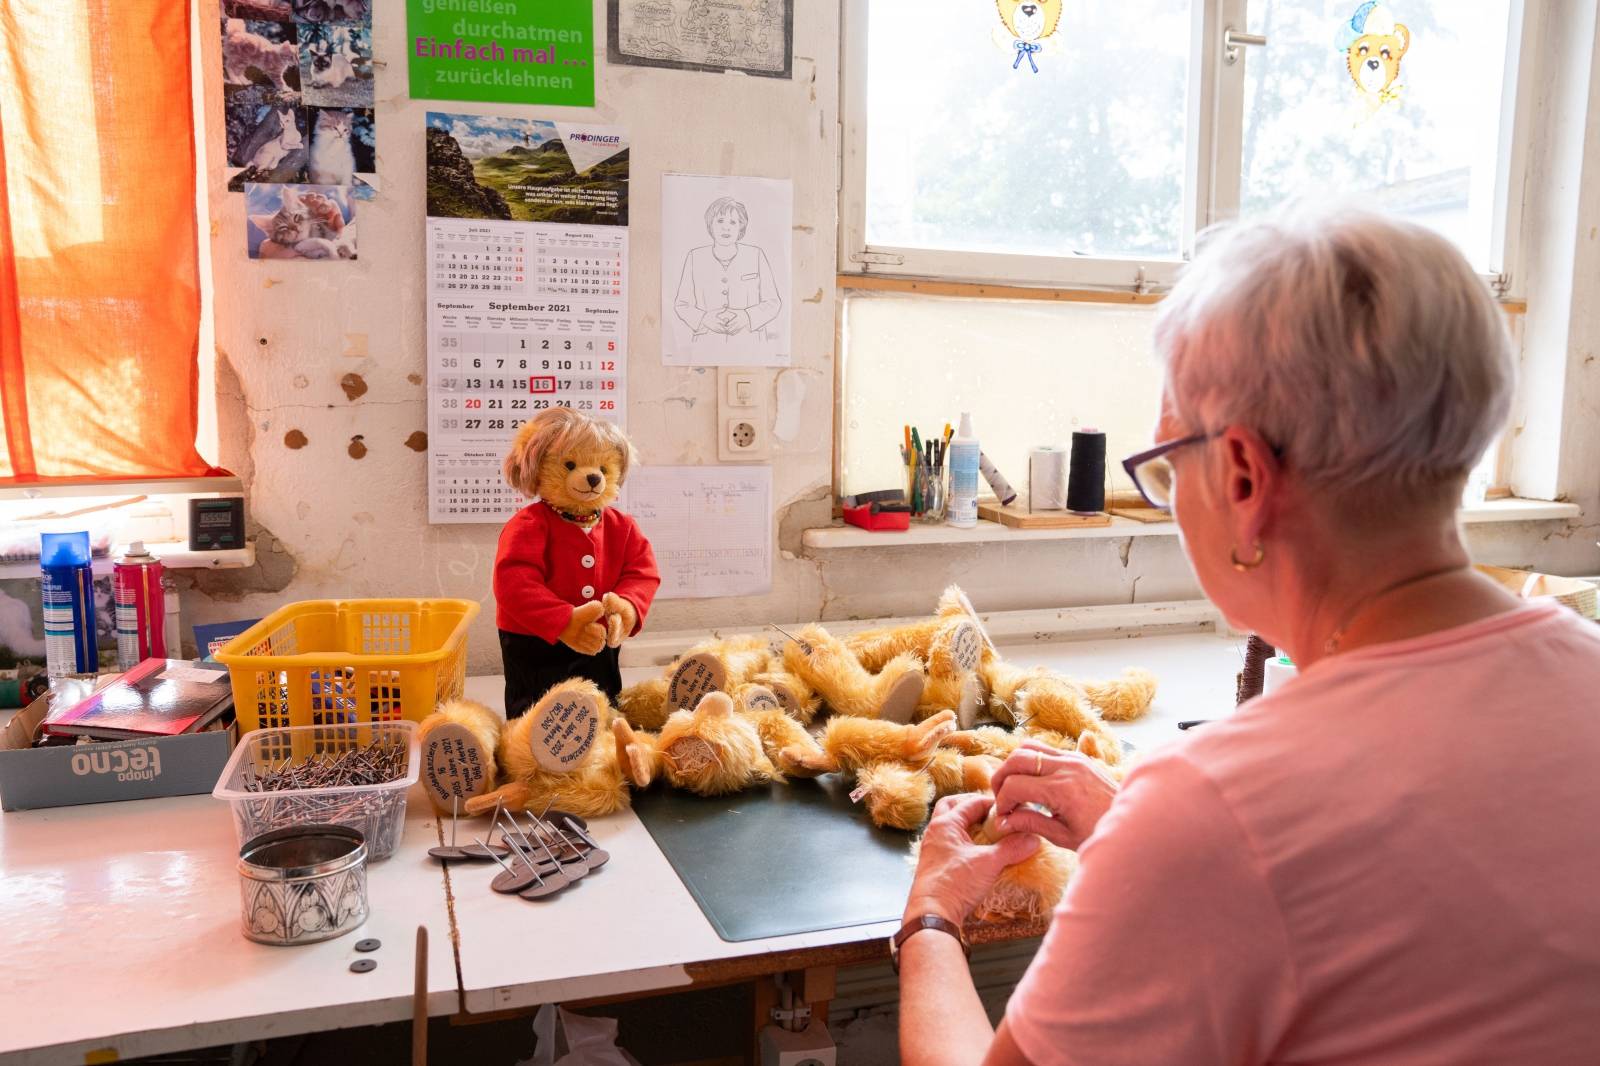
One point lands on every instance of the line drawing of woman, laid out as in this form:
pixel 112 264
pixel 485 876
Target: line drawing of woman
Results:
pixel 727 289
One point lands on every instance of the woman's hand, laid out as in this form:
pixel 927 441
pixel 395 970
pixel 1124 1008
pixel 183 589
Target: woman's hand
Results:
pixel 953 872
pixel 1075 789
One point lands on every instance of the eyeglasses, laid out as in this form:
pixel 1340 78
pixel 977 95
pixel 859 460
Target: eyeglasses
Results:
pixel 1152 470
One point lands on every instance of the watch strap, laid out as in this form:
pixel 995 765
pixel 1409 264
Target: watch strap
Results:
pixel 917 925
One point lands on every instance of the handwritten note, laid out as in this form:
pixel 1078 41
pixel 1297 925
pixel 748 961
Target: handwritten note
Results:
pixel 710 526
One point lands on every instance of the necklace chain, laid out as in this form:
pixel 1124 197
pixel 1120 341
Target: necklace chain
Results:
pixel 1337 637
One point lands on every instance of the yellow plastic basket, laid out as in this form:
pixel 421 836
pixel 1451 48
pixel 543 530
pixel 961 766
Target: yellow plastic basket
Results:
pixel 348 662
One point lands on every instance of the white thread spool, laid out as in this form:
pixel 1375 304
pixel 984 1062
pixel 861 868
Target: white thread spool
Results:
pixel 1047 478
pixel 1279 670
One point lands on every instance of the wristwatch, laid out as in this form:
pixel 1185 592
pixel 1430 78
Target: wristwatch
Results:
pixel 916 925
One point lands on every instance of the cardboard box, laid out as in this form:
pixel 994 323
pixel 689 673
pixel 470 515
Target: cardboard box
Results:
pixel 108 771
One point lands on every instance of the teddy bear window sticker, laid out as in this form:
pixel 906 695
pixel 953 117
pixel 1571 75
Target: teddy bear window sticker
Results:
pixel 1373 44
pixel 1025 28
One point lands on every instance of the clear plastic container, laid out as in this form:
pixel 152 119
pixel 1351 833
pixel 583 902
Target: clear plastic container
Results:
pixel 377 811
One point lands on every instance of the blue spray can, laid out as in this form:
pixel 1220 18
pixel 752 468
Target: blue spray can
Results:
pixel 67 588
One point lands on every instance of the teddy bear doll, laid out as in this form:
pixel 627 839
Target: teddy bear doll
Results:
pixel 573 576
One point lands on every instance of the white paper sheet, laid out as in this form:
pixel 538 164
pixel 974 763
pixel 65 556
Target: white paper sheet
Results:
pixel 725 270
pixel 710 527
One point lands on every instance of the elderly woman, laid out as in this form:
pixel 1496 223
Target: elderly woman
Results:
pixel 1393 858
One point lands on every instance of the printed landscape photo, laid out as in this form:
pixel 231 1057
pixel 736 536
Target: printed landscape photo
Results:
pixel 521 170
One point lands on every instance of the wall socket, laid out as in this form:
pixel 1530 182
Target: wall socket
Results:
pixel 744 422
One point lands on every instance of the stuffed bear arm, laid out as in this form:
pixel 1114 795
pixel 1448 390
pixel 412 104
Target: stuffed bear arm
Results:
pixel 524 601
pixel 639 579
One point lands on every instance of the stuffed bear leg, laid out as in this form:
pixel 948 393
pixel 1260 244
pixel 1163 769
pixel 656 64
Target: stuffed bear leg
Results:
pixel 715 666
pixel 824 663
pixel 645 705
pixel 592 785
pixel 1124 699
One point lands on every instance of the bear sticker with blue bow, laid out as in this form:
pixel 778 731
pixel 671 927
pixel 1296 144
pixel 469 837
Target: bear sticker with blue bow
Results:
pixel 1028 26
pixel 1373 44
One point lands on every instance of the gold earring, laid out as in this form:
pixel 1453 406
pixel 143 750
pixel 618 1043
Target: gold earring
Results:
pixel 1241 565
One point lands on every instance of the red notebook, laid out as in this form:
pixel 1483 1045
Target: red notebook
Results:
pixel 159 697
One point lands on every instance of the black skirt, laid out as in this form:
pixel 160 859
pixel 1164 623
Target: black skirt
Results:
pixel 534 666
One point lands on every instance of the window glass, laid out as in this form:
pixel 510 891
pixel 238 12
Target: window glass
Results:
pixel 969 148
pixel 1030 372
pixel 1393 106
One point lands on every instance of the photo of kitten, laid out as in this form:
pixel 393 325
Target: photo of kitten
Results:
pixel 300 222
pixel 260 53
pixel 343 148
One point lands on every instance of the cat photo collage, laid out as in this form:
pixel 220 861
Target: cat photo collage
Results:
pixel 297 84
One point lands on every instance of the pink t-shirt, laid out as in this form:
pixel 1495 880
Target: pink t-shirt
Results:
pixel 1394 858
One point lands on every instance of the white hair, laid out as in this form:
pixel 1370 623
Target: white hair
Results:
pixel 1365 348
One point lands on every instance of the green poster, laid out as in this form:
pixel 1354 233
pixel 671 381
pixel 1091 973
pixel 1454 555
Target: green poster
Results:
pixel 510 51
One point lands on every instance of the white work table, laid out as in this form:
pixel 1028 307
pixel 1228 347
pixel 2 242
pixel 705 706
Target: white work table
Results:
pixel 122 933
pixel 122 920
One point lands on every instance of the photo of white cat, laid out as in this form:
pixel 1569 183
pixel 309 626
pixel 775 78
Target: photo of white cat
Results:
pixel 343 149
pixel 300 221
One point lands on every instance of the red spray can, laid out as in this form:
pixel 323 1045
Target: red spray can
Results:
pixel 140 607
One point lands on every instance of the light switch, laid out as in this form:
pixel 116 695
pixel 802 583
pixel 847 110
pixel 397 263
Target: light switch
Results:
pixel 742 390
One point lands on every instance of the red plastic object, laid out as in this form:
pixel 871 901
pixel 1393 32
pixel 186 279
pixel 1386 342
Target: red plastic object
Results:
pixel 882 522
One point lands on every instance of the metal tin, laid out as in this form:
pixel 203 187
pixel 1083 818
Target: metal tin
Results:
pixel 303 883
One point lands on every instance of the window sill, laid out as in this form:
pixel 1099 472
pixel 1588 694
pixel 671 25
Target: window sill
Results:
pixel 194 486
pixel 830 538
pixel 174 555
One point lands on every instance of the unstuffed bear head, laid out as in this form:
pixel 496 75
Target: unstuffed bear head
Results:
pixel 570 460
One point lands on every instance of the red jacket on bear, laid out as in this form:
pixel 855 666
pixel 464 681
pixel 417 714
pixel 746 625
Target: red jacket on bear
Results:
pixel 546 566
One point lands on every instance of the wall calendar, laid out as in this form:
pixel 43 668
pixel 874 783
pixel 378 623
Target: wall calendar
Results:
pixel 527 293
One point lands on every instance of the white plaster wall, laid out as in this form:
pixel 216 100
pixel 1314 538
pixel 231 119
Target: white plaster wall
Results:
pixel 287 333
pixel 332 525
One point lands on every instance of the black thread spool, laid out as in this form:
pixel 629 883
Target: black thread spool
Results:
pixel 1252 678
pixel 1086 472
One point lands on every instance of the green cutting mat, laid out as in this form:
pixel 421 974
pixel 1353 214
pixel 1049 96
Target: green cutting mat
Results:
pixel 791 858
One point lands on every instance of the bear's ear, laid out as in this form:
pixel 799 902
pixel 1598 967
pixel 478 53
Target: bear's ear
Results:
pixel 1404 34
pixel 528 448
pixel 627 456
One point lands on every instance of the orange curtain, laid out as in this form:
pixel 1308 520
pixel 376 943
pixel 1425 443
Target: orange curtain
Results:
pixel 99 278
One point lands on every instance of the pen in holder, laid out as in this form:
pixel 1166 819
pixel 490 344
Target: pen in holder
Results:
pixel 931 481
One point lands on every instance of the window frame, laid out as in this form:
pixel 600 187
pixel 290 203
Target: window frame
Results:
pixel 1215 115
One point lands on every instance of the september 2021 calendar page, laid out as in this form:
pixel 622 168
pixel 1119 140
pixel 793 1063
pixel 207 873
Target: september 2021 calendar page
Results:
pixel 527 293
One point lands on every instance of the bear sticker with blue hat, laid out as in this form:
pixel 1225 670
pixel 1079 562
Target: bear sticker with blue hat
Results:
pixel 1028 25
pixel 1373 44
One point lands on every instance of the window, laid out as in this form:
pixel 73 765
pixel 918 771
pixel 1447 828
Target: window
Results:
pixel 99 288
pixel 1147 120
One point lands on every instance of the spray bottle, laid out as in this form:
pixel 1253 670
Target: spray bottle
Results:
pixel 140 605
pixel 963 499
pixel 67 588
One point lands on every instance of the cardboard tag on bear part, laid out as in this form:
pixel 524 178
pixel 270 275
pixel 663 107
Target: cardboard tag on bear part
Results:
pixel 760 698
pixel 564 732
pixel 695 677
pixel 786 699
pixel 966 645
pixel 454 765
